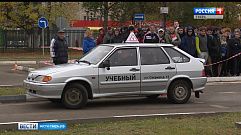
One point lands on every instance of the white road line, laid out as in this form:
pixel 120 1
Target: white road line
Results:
pixel 6 85
pixel 219 106
pixel 231 92
pixel 122 116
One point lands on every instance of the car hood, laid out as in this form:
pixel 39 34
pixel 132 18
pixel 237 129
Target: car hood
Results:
pixel 59 68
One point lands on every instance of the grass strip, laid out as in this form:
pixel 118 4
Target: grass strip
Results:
pixel 218 124
pixel 12 91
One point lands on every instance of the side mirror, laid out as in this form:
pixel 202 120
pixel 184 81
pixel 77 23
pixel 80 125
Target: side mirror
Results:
pixel 106 64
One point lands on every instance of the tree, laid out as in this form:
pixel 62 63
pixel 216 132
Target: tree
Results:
pixel 26 14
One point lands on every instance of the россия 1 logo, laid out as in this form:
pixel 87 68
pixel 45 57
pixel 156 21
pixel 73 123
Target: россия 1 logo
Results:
pixel 208 13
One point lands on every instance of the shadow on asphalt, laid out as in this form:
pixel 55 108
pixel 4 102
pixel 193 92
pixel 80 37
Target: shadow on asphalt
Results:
pixel 107 103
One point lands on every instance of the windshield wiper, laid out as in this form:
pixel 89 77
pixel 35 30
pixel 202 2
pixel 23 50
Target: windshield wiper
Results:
pixel 85 61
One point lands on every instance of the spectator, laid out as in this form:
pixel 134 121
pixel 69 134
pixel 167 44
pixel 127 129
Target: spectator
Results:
pixel 59 49
pixel 131 29
pixel 188 43
pixel 208 69
pixel 185 30
pixel 151 36
pixel 223 65
pixel 235 47
pixel 140 34
pixel 108 36
pixel 235 30
pixel 89 42
pixel 172 37
pixel 209 31
pixel 180 32
pixel 202 45
pixel 101 36
pixel 222 30
pixel 123 30
pixel 196 31
pixel 175 24
pixel 214 49
pixel 117 37
pixel 229 62
pixel 161 36
pixel 137 33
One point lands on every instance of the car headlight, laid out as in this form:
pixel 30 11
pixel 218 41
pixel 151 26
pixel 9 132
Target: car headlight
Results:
pixel 41 78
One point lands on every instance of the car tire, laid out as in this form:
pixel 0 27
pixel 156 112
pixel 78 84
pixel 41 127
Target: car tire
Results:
pixel 55 100
pixel 179 92
pixel 74 96
pixel 153 96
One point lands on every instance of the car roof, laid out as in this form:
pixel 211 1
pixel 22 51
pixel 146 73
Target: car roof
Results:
pixel 137 44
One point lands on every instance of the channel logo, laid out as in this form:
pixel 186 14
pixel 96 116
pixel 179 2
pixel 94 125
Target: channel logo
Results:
pixel 208 11
pixel 42 126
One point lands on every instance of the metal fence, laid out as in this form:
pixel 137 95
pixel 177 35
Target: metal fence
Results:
pixel 12 39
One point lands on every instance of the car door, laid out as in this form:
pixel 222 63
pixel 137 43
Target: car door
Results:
pixel 123 74
pixel 156 69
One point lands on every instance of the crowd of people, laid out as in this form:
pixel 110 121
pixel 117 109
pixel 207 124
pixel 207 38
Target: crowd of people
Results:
pixel 211 43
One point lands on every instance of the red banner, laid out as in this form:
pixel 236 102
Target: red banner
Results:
pixel 88 23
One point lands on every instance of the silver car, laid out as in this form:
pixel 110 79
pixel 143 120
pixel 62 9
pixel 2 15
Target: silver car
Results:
pixel 109 70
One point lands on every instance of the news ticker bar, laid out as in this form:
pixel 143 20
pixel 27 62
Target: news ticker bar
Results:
pixel 42 126
pixel 208 16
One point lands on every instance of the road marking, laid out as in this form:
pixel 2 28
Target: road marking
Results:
pixel 219 106
pixel 228 92
pixel 6 85
pixel 199 102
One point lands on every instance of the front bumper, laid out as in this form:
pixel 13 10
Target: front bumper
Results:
pixel 44 90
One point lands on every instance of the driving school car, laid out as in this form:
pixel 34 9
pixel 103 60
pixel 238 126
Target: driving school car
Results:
pixel 109 70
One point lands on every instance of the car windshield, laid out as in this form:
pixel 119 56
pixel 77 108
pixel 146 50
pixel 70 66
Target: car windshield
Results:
pixel 95 55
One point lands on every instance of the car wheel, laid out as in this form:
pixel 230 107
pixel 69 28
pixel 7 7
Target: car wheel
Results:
pixel 74 96
pixel 153 96
pixel 179 92
pixel 55 100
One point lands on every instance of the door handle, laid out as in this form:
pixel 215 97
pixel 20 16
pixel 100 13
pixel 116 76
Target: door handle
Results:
pixel 170 68
pixel 134 69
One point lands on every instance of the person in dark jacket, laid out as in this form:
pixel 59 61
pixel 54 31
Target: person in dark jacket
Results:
pixel 235 47
pixel 151 36
pixel 59 49
pixel 101 36
pixel 126 35
pixel 180 32
pixel 89 42
pixel 214 49
pixel 108 37
pixel 188 43
pixel 161 35
pixel 117 37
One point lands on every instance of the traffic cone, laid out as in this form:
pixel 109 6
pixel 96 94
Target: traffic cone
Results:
pixel 15 67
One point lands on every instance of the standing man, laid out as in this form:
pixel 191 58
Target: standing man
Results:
pixel 176 25
pixel 202 44
pixel 59 48
pixel 180 32
pixel 108 37
pixel 172 37
pixel 101 36
pixel 151 36
pixel 214 50
pixel 188 43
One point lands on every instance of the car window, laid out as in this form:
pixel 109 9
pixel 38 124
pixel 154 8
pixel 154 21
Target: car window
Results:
pixel 176 56
pixel 152 56
pixel 123 57
pixel 96 54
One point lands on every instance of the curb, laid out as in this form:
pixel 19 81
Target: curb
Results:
pixel 19 62
pixel 19 98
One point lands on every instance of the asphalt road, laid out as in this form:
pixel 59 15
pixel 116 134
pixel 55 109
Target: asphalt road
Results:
pixel 217 97
pixel 10 77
